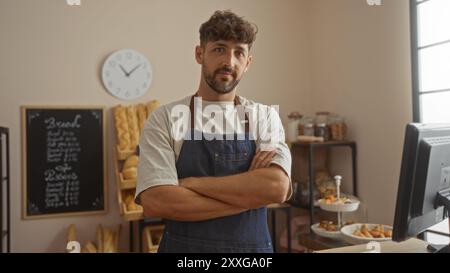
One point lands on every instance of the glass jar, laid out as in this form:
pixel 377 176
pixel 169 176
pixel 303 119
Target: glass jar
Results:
pixel 321 130
pixel 293 126
pixel 307 127
pixel 338 128
pixel 322 117
pixel 303 122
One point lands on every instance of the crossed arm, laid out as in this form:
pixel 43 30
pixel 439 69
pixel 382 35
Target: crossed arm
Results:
pixel 203 198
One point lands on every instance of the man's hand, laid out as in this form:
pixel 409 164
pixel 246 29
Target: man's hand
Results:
pixel 262 159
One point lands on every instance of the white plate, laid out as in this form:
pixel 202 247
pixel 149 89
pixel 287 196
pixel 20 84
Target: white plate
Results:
pixel 339 207
pixel 347 234
pixel 324 233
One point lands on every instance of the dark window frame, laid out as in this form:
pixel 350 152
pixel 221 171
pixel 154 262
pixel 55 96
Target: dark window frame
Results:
pixel 415 62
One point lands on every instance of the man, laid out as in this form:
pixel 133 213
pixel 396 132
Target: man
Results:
pixel 213 191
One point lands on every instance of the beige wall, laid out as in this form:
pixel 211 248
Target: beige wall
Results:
pixel 361 70
pixel 52 54
pixel 338 55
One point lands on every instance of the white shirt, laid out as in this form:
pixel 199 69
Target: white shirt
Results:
pixel 164 131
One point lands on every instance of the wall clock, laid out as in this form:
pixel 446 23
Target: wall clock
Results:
pixel 127 74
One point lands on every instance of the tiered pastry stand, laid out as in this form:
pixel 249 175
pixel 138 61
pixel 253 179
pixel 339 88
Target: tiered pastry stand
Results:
pixel 338 208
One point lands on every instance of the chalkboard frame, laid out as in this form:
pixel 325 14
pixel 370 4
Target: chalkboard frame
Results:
pixel 24 133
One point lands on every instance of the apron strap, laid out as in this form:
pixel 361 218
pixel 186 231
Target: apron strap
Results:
pixel 236 102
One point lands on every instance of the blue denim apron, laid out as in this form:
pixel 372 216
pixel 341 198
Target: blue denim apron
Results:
pixel 246 232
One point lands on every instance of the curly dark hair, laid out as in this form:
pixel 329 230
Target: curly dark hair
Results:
pixel 227 26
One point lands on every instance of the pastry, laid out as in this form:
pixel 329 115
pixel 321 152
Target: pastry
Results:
pixel 131 161
pixel 130 173
pixel 128 199
pixel 377 231
pixel 130 204
pixel 129 170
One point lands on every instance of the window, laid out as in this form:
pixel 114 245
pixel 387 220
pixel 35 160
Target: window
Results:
pixel 430 44
pixel 430 32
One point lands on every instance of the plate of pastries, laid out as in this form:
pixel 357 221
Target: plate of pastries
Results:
pixel 328 229
pixel 346 203
pixel 364 233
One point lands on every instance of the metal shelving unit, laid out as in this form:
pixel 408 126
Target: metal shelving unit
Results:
pixel 311 148
pixel 5 235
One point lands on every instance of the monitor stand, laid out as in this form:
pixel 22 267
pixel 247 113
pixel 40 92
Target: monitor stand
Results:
pixel 443 199
pixel 439 248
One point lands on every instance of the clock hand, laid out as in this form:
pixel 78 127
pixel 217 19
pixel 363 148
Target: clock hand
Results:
pixel 124 71
pixel 132 70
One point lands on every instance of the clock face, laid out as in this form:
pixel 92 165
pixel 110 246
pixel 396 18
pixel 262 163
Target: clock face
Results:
pixel 127 74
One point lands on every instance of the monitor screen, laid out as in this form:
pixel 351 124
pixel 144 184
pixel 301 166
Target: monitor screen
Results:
pixel 424 174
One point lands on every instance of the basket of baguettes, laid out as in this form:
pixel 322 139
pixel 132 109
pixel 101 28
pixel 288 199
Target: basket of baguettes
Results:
pixel 152 236
pixel 107 240
pixel 129 123
pixel 128 208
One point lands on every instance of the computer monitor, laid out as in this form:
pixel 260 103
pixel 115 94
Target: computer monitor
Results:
pixel 423 196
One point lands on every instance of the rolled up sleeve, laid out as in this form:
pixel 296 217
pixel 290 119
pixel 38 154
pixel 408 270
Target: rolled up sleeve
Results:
pixel 156 155
pixel 276 140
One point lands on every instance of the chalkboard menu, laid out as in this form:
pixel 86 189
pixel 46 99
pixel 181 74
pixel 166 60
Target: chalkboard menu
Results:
pixel 64 169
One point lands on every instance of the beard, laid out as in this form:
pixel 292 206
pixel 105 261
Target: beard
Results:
pixel 217 83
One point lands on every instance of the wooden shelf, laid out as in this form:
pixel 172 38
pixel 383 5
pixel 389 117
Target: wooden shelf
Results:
pixel 5 206
pixel 324 143
pixel 310 149
pixel 134 215
pixel 277 205
pixel 152 237
pixel 123 184
pixel 126 184
pixel 315 242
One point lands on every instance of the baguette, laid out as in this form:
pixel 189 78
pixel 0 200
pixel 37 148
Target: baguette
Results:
pixel 117 237
pixel 122 128
pixel 151 106
pixel 142 116
pixel 108 241
pixel 133 127
pixel 71 233
pixel 89 247
pixel 99 235
pixel 113 242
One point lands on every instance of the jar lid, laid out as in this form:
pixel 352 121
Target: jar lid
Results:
pixel 295 115
pixel 323 113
